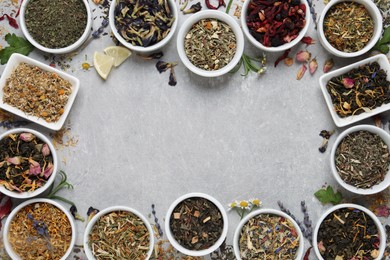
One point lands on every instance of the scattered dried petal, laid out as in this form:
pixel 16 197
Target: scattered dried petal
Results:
pixel 91 213
pixel 284 55
pixel 328 65
pixel 308 40
pixel 313 65
pixel 76 216
pixel 382 211
pixel 48 170
pixel 303 56
pixel 193 9
pixel 301 72
pixel 288 61
pixel 45 150
pixel 14 160
pixel 321 246
pixel 35 168
pixel 348 82
pixel 27 137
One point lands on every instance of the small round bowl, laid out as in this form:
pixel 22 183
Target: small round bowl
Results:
pixel 67 49
pixel 50 181
pixel 280 48
pixel 13 213
pixel 374 189
pixel 381 230
pixel 91 224
pixel 218 15
pixel 140 49
pixel 237 233
pixel 376 16
pixel 184 250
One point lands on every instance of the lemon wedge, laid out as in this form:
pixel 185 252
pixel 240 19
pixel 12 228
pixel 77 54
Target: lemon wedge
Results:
pixel 102 63
pixel 119 53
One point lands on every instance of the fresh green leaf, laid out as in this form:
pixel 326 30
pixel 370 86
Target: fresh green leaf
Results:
pixel 328 196
pixel 382 44
pixel 16 45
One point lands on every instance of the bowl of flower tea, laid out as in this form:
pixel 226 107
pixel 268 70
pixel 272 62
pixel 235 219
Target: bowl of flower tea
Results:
pixel 28 163
pixel 360 159
pixel 196 224
pixel 210 43
pixel 349 231
pixel 275 27
pixel 349 28
pixel 39 229
pixel 56 27
pixel 268 234
pixel 118 232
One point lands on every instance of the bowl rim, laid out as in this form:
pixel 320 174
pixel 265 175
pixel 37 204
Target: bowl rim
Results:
pixel 374 189
pixel 236 237
pixel 8 246
pixel 376 16
pixel 110 209
pixel 141 49
pixel 179 247
pixel 280 48
pixel 63 50
pixel 218 15
pixel 50 181
pixel 378 224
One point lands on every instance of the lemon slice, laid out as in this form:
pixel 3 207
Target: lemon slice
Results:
pixel 120 54
pixel 102 63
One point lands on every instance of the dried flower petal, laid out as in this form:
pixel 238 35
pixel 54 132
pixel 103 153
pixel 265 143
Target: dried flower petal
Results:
pixel 48 171
pixel 35 168
pixel 313 65
pixel 45 150
pixel 328 65
pixel 303 56
pixel 382 211
pixel 348 82
pixel 301 72
pixel 73 210
pixel 27 137
pixel 308 40
pixel 91 213
pixel 288 61
pixel 14 160
pixel 193 9
pixel 321 246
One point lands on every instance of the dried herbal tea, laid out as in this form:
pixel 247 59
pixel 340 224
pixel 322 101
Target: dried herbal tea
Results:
pixel 268 236
pixel 348 233
pixel 37 92
pixel 348 26
pixel 362 159
pixel 119 235
pixel 210 44
pixel 26 162
pixel 40 231
pixel 55 23
pixel 359 90
pixel 274 23
pixel 143 23
pixel 196 223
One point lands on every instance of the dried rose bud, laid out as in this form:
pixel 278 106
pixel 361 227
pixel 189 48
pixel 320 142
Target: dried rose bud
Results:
pixel 45 150
pixel 328 65
pixel 35 168
pixel 48 171
pixel 303 56
pixel 301 72
pixel 313 65
pixel 27 137
pixel 321 246
pixel 288 61
pixel 348 82
pixel 308 40
pixel 14 160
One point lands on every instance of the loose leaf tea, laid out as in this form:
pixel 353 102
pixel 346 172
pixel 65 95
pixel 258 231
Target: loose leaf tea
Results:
pixel 348 26
pixel 37 92
pixel 55 23
pixel 359 90
pixel 268 236
pixel 26 162
pixel 362 159
pixel 210 44
pixel 40 231
pixel 119 235
pixel 196 223
pixel 348 233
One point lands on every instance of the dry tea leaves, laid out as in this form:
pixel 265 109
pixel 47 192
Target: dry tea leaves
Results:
pixel 196 223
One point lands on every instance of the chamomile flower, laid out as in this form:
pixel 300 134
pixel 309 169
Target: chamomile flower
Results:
pixel 244 204
pixel 233 205
pixel 255 202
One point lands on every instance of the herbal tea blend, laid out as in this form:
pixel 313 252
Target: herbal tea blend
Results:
pixel 348 26
pixel 196 223
pixel 40 231
pixel 362 159
pixel 119 235
pixel 210 44
pixel 359 90
pixel 26 162
pixel 350 234
pixel 37 92
pixel 268 237
pixel 55 23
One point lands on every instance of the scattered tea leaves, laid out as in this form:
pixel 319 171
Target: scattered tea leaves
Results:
pixel 16 45
pixel 282 57
pixel 327 195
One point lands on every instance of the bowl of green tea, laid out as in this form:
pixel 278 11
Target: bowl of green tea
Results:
pixel 56 26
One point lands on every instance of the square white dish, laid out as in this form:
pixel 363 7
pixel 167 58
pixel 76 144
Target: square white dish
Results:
pixel 13 62
pixel 340 121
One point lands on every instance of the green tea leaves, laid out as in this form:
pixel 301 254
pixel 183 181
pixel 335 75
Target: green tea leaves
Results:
pixel 17 45
pixel 382 44
pixel 327 195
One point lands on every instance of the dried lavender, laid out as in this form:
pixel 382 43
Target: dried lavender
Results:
pixel 160 232
pixel 96 34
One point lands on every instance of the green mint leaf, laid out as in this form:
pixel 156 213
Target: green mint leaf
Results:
pixel 16 45
pixel 328 196
pixel 386 36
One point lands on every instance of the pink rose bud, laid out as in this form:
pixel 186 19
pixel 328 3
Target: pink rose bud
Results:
pixel 303 56
pixel 313 65
pixel 301 72
pixel 27 137
pixel 14 160
pixel 308 40
pixel 48 171
pixel 348 82
pixel 35 168
pixel 328 65
pixel 45 150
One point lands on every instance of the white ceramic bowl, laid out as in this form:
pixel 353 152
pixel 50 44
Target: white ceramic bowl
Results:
pixel 91 223
pixel 140 49
pixel 237 233
pixel 67 49
pixel 184 250
pixel 280 48
pixel 374 189
pixel 376 16
pixel 50 181
pixel 13 62
pixel 223 17
pixel 13 213
pixel 381 230
pixel 344 121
